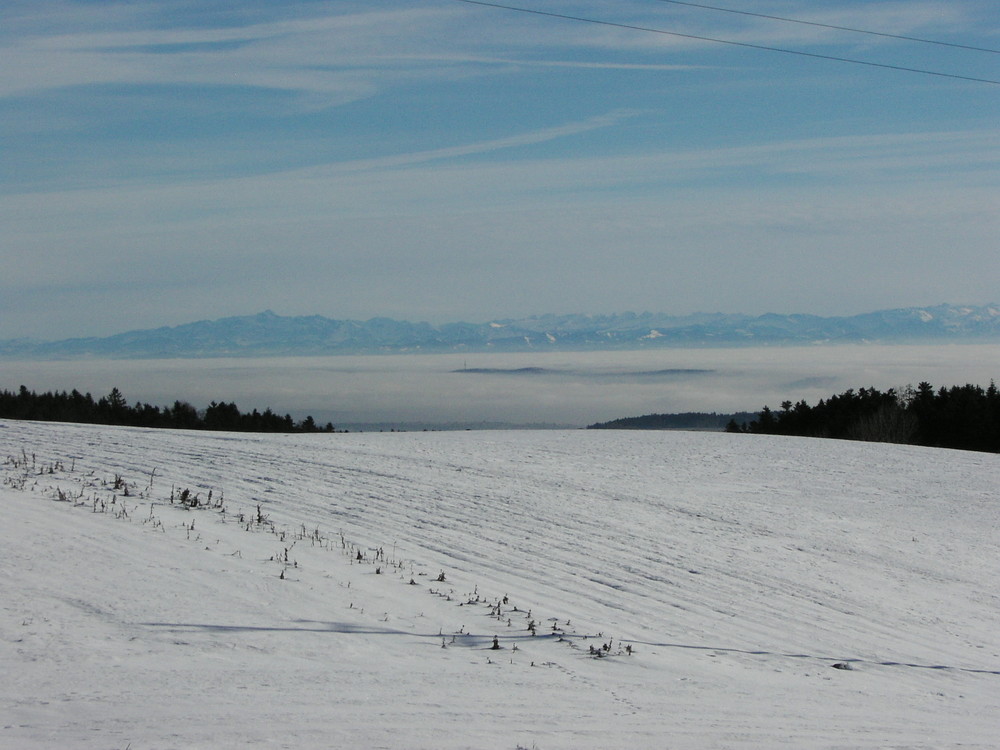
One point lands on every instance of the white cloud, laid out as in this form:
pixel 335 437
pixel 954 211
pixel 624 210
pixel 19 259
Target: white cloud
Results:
pixel 423 236
pixel 572 176
pixel 348 53
pixel 634 25
pixel 324 54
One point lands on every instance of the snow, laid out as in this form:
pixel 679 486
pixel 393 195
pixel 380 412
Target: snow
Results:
pixel 739 569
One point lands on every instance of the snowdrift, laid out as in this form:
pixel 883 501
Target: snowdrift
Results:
pixel 543 589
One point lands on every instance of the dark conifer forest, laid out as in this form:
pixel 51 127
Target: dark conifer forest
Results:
pixel 113 409
pixel 964 417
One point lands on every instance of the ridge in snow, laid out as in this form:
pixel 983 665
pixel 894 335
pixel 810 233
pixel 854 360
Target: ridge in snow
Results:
pixel 693 590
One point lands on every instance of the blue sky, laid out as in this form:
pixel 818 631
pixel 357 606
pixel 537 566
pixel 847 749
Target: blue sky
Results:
pixel 167 161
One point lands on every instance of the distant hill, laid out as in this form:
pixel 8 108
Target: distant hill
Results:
pixel 683 421
pixel 268 334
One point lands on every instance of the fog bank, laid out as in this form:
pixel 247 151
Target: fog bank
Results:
pixel 568 389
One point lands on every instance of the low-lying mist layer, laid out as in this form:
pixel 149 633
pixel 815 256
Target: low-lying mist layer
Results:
pixel 571 389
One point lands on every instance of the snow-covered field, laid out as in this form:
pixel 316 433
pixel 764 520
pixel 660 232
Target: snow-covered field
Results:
pixel 688 590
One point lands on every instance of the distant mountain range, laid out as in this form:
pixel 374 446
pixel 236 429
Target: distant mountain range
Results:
pixel 268 334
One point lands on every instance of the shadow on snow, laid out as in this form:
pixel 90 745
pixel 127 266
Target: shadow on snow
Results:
pixel 472 639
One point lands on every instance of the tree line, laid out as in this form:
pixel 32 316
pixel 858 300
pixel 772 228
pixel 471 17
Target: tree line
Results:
pixel 691 420
pixel 113 409
pixel 964 417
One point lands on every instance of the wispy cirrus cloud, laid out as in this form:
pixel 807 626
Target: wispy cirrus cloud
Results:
pixel 635 25
pixel 352 50
pixel 428 157
pixel 321 53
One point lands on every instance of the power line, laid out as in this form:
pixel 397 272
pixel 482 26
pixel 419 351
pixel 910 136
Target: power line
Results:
pixel 831 26
pixel 731 42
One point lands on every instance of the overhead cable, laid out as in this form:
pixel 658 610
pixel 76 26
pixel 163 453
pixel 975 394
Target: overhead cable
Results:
pixel 731 42
pixel 832 26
